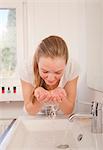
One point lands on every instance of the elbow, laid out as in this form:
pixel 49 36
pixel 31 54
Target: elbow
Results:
pixel 28 111
pixel 69 111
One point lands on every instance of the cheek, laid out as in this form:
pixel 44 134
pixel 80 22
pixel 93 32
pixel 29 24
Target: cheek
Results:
pixel 58 77
pixel 43 76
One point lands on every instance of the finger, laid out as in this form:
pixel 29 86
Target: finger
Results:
pixel 59 99
pixel 46 99
pixel 50 98
pixel 61 95
pixel 63 98
pixel 42 97
pixel 61 90
pixel 37 96
pixel 54 100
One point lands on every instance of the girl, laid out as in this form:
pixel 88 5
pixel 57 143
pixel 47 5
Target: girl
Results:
pixel 51 79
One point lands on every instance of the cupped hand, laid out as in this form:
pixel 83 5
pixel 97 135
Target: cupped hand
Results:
pixel 58 95
pixel 42 95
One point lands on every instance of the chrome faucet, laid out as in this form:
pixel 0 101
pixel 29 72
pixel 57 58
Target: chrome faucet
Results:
pixel 96 111
pixel 51 111
pixel 73 116
pixel 96 117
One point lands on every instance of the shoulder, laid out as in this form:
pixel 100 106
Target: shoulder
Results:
pixel 72 70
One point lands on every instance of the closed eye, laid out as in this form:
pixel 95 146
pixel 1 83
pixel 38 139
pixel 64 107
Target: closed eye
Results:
pixel 45 71
pixel 58 72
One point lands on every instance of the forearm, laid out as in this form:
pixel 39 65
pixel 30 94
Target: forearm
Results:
pixel 66 106
pixel 33 108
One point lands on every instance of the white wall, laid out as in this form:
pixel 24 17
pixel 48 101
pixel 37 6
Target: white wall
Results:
pixel 94 23
pixel 67 19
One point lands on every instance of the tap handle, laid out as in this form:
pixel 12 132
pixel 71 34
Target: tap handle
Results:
pixel 92 108
pixel 95 107
pixel 96 111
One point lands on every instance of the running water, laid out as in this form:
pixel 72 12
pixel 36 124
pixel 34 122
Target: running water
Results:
pixel 50 110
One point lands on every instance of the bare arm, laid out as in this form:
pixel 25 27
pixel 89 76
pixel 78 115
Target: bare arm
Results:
pixel 31 108
pixel 66 96
pixel 68 103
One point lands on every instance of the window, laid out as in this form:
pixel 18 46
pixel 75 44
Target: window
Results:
pixel 8 49
pixel 11 48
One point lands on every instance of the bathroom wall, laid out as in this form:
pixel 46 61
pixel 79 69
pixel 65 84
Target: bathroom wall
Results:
pixel 72 26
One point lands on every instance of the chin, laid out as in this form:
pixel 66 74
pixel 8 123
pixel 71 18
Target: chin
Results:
pixel 51 83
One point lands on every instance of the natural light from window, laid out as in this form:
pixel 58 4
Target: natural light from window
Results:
pixel 8 52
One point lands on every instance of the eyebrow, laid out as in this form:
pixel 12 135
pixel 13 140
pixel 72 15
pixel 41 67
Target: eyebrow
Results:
pixel 54 71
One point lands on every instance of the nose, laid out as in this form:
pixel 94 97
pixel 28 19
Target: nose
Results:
pixel 51 77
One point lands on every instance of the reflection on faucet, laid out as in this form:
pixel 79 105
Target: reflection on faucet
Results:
pixel 96 111
pixel 73 116
pixel 96 115
pixel 51 111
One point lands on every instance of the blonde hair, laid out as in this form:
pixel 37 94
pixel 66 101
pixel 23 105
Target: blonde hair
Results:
pixel 52 46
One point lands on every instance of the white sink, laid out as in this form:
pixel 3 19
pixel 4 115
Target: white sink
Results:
pixel 30 133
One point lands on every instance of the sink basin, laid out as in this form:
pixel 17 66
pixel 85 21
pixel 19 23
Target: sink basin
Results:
pixel 30 133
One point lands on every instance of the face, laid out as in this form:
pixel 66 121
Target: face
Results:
pixel 51 69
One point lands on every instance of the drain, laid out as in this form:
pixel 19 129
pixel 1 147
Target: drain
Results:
pixel 63 146
pixel 80 136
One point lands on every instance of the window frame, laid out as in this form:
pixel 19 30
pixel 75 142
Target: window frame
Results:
pixel 21 35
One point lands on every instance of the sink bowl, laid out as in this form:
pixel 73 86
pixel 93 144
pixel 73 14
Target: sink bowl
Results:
pixel 30 133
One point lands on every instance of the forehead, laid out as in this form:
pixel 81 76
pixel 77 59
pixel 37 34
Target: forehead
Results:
pixel 54 64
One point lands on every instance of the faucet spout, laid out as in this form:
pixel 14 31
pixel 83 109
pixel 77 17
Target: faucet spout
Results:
pixel 51 111
pixel 96 117
pixel 74 116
